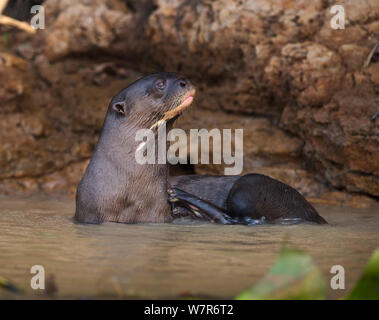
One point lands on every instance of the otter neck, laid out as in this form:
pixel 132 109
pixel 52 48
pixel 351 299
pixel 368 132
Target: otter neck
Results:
pixel 123 138
pixel 144 185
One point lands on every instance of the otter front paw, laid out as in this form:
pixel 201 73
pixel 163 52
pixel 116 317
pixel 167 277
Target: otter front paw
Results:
pixel 175 195
pixel 172 196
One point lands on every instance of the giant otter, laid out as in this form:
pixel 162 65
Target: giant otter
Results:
pixel 116 188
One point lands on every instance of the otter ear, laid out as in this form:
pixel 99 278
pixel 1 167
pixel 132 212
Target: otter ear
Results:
pixel 119 107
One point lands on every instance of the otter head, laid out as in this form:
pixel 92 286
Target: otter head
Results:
pixel 154 99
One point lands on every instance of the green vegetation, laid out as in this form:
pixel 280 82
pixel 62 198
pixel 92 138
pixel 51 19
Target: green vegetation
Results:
pixel 367 287
pixel 9 286
pixel 293 276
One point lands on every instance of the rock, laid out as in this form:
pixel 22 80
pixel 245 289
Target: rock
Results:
pixel 64 181
pixel 302 90
pixel 72 33
pixel 267 149
pixel 338 198
pixel 312 72
pixel 13 85
pixel 356 182
pixel 342 139
pixel 353 55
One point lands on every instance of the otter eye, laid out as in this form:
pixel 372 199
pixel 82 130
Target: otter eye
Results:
pixel 160 84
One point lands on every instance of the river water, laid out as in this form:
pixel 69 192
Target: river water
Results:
pixel 169 260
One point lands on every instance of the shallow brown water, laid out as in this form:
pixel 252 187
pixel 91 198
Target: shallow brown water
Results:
pixel 169 260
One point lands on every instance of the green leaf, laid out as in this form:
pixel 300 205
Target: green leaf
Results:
pixel 367 287
pixel 9 286
pixel 294 276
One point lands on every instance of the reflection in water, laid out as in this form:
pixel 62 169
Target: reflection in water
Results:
pixel 169 260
